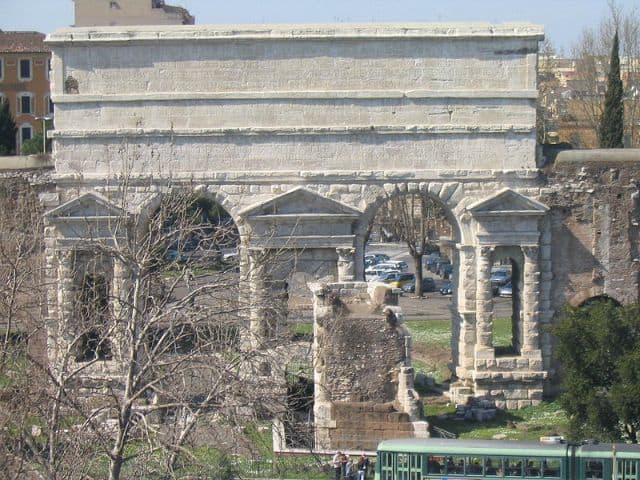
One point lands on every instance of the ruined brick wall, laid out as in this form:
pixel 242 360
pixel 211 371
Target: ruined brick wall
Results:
pixel 362 358
pixel 593 196
pixel 364 382
pixel 361 426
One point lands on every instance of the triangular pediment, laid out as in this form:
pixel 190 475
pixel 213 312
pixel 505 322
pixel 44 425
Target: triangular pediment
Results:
pixel 507 202
pixel 89 205
pixel 300 202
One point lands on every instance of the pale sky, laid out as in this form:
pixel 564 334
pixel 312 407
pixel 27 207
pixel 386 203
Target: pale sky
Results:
pixel 563 19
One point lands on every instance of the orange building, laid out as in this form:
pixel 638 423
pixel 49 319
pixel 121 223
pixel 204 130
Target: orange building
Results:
pixel 24 81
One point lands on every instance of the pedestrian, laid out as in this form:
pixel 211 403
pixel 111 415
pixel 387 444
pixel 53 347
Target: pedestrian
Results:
pixel 363 466
pixel 188 278
pixel 349 470
pixel 337 465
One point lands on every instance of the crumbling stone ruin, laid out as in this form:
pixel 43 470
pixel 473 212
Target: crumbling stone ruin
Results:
pixel 362 365
pixel 300 134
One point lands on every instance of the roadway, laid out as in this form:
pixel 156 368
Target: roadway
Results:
pixel 433 305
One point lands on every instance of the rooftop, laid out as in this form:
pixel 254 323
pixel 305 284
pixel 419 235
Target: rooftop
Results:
pixel 23 42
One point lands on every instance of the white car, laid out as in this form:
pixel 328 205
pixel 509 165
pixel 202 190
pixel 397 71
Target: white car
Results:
pixel 373 273
pixel 393 265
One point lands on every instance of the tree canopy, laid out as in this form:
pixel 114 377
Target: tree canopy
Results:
pixel 599 350
pixel 612 122
pixel 7 129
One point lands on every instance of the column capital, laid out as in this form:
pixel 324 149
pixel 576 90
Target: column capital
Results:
pixel 346 263
pixel 530 252
pixel 345 253
pixel 485 250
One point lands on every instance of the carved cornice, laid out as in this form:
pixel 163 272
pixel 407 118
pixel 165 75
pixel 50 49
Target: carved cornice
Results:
pixel 294 95
pixel 271 32
pixel 288 131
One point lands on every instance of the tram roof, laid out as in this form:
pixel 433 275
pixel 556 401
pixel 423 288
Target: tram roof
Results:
pixel 623 450
pixel 471 447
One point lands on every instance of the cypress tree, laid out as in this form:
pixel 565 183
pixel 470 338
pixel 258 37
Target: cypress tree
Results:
pixel 612 121
pixel 7 129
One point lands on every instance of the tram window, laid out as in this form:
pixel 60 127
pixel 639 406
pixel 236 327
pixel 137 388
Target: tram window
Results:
pixel 551 468
pixel 415 471
pixel 474 466
pixel 402 466
pixel 512 467
pixel 435 465
pixel 532 468
pixel 627 470
pixel 387 466
pixel 455 465
pixel 493 467
pixel 593 469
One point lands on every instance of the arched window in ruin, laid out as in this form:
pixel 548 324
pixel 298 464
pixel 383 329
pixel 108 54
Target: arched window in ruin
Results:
pixel 506 286
pixel 92 307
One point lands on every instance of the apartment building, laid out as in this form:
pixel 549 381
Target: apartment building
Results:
pixel 91 13
pixel 24 81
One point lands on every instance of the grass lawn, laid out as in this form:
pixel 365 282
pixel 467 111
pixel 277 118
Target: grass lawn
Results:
pixel 431 356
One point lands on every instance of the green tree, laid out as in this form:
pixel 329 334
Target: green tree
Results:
pixel 32 146
pixel 599 350
pixel 7 129
pixel 612 122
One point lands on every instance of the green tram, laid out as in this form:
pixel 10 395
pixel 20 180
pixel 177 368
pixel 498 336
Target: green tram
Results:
pixel 440 459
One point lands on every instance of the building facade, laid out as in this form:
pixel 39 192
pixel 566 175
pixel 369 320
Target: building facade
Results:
pixel 90 13
pixel 24 81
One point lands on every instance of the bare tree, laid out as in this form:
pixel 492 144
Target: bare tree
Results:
pixel 592 55
pixel 416 219
pixel 548 92
pixel 151 351
pixel 21 250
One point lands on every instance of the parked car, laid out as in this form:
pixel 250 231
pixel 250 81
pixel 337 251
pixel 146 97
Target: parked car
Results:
pixel 377 274
pixel 399 264
pixel 398 280
pixel 428 285
pixel 505 290
pixel 390 265
pixel 498 279
pixel 447 289
pixel 445 270
pixel 437 265
pixel 371 259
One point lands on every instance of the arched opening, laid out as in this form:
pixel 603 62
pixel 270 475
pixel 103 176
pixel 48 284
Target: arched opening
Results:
pixel 411 244
pixel 193 293
pixel 93 327
pixel 506 285
pixel 597 299
pixel 298 424
pixel 199 233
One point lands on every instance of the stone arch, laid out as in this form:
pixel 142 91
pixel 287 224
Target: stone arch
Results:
pixel 150 205
pixel 583 296
pixel 447 194
pixel 597 298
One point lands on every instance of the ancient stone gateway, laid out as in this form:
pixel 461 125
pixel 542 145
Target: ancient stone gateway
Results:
pixel 300 132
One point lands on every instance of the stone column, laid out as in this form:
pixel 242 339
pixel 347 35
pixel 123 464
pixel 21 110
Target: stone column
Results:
pixel 66 301
pixel 121 293
pixel 257 315
pixel 484 299
pixel 463 339
pixel 530 301
pixel 346 264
